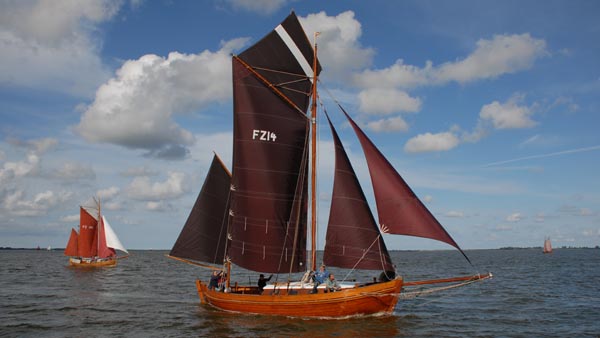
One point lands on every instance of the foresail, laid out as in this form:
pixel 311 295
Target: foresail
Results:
pixel 203 237
pixel 400 210
pixel 87 245
pixel 269 186
pixel 71 249
pixel 353 239
pixel 112 241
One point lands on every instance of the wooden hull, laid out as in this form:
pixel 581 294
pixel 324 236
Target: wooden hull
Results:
pixel 83 263
pixel 378 298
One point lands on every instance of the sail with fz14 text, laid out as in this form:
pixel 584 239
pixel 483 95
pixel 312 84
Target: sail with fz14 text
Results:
pixel 257 216
pixel 96 243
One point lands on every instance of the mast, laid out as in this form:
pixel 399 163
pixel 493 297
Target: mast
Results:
pixel 98 227
pixel 313 165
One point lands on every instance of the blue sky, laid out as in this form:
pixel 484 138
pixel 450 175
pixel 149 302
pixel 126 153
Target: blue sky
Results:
pixel 489 110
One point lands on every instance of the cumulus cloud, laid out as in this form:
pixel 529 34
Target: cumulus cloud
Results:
pixel 264 7
pixel 383 90
pixel 338 43
pixel 142 188
pixel 503 54
pixel 398 75
pixel 508 115
pixel 48 44
pixel 431 142
pixel 12 170
pixel 386 101
pixel 15 203
pixel 108 193
pixel 135 109
pixel 388 125
pixel 31 164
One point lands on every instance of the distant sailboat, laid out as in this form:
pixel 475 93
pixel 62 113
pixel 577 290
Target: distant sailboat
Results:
pixel 257 216
pixel 547 245
pixel 96 242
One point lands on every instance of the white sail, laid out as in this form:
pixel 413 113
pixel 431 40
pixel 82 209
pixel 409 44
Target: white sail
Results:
pixel 112 241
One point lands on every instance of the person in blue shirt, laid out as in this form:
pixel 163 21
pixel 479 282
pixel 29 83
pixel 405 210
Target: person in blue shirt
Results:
pixel 320 277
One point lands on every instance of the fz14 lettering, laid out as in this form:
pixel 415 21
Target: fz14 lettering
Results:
pixel 263 135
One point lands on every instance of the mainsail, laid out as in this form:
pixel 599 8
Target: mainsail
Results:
pixel 400 210
pixel 267 220
pixel 353 239
pixel 204 234
pixel 88 234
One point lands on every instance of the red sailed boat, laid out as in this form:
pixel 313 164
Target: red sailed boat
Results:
pixel 547 245
pixel 257 216
pixel 95 244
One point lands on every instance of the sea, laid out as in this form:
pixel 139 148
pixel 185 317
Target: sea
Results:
pixel 149 295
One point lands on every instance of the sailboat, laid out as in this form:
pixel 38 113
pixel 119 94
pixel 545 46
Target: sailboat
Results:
pixel 547 245
pixel 96 243
pixel 257 216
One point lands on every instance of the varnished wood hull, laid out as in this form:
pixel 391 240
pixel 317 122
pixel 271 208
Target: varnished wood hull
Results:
pixel 379 298
pixel 79 263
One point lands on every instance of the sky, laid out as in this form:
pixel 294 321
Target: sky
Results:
pixel 488 109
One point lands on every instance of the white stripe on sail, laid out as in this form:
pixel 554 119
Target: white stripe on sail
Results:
pixel 112 241
pixel 287 39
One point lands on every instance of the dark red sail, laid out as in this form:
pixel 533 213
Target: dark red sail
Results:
pixel 271 84
pixel 400 210
pixel 284 58
pixel 204 234
pixel 353 239
pixel 71 249
pixel 88 233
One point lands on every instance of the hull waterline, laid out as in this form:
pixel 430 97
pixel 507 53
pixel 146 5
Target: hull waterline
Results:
pixel 83 263
pixel 378 298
